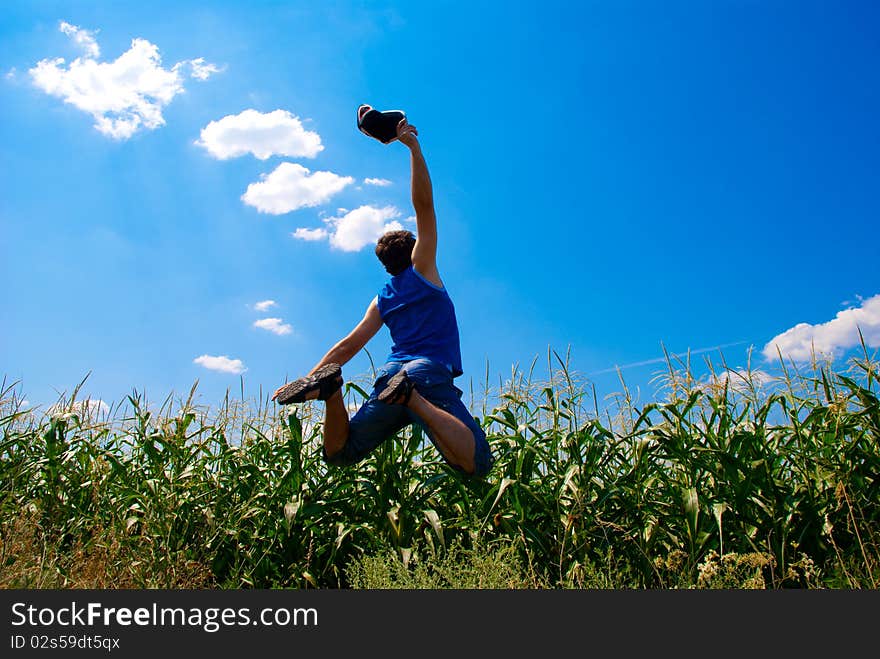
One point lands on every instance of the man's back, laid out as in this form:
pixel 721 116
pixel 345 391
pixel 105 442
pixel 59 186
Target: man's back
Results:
pixel 421 318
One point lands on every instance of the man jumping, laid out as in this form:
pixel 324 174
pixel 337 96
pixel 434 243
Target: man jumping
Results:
pixel 416 383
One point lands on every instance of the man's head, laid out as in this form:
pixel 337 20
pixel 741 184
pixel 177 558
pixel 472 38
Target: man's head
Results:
pixel 394 250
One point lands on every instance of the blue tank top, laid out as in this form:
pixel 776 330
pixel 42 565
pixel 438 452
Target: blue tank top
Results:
pixel 421 319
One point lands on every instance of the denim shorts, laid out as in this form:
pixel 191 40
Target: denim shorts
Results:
pixel 376 422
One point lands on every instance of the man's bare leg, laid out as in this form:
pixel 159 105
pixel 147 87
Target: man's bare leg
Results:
pixel 335 424
pixel 454 439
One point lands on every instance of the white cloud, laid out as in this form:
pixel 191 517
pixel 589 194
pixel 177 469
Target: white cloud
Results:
pixel 381 182
pixel 362 226
pixel 742 380
pixel 355 229
pixel 310 234
pixel 90 408
pixel 202 70
pixel 829 339
pixel 290 187
pixel 264 305
pixel 262 134
pixel 122 96
pixel 274 325
pixel 85 39
pixel 221 363
pixel 10 74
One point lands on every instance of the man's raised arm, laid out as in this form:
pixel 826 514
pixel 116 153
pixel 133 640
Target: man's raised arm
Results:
pixel 424 255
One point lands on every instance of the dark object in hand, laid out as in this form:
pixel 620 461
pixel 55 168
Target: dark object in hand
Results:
pixel 379 125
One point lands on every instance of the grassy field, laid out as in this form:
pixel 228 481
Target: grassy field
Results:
pixel 736 481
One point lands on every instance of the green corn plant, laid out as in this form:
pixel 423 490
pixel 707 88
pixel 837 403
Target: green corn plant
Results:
pixel 733 466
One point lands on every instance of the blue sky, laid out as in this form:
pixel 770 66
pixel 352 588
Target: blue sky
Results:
pixel 608 176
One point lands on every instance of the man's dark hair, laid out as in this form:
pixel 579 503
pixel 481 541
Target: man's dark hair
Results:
pixel 394 250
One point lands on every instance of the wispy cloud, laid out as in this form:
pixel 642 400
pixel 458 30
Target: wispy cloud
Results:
pixel 264 305
pixel 202 70
pixel 221 363
pixel 122 96
pixel 274 325
pixel 261 134
pixel 354 230
pixel 291 187
pixel 829 339
pixel 380 182
pixel 85 39
pixel 310 234
pixel 660 360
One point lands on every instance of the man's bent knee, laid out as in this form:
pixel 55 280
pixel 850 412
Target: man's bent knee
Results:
pixel 482 462
pixel 339 459
pixel 483 458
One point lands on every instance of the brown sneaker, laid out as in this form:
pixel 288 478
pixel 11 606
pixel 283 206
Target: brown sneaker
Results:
pixel 398 390
pixel 327 380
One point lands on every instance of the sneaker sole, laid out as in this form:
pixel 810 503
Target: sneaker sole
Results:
pixel 298 390
pixel 398 385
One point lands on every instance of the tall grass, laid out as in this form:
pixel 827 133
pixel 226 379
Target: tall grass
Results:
pixel 734 481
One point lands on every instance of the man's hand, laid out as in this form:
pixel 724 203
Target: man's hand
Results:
pixel 407 133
